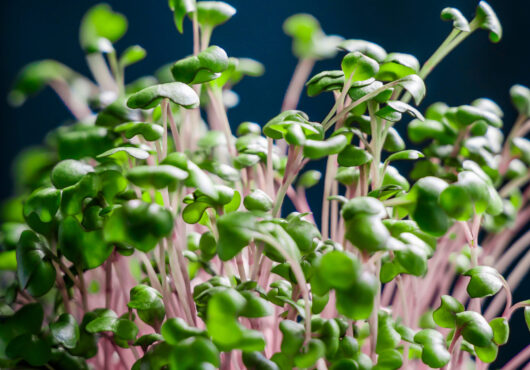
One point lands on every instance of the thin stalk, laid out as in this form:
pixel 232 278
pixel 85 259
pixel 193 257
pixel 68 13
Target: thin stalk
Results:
pixel 373 320
pixel 301 73
pixel 518 360
pixel 331 169
pixel 164 105
pixel 515 250
pixel 300 278
pixel 108 282
pixel 77 107
pixel 100 71
pixel 62 287
pixel 270 172
pixel 82 289
pixel 196 39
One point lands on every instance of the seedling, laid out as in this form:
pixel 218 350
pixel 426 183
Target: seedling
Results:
pixel 146 235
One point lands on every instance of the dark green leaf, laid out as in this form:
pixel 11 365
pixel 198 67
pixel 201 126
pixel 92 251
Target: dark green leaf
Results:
pixel 474 328
pixel 204 67
pixel 485 281
pixel 487 20
pixel 65 330
pixel 149 131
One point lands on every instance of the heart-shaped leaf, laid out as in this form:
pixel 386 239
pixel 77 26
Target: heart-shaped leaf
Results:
pixel 369 49
pixel 148 303
pixel 445 315
pixel 133 54
pixel 151 96
pixel 501 330
pixel 149 131
pixel 180 9
pixel 99 26
pixel 35 272
pixel 434 351
pixel 200 68
pixel 65 330
pixel 487 20
pixel 485 281
pixel 211 14
pixel 358 67
pixel 69 172
pixel 474 328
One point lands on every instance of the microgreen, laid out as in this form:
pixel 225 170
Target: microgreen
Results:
pixel 147 224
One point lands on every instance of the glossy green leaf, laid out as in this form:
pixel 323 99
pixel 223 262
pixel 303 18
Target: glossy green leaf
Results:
pixel 86 249
pixel 325 81
pixel 317 149
pixel 195 353
pixel 409 154
pixel 148 303
pixel 149 131
pixel 427 212
pixel 487 354
pixel 445 315
pixel 99 26
pixel 69 172
pixel 487 20
pixel 258 200
pixel 415 86
pixel 34 350
pixel 434 351
pixel 81 141
pixel 132 151
pixel 338 269
pixel 293 336
pixel 176 329
pixel 65 330
pixel 180 9
pixel 214 13
pixel 309 179
pixel 151 96
pixel 394 109
pixel 459 21
pixel 353 156
pixel 35 272
pixel 501 330
pixel 398 65
pixel 456 202
pixel 358 67
pixel 369 49
pixel 310 353
pixel 200 68
pixel 485 281
pixel 138 224
pixel 40 209
pixel 387 336
pixel 357 302
pixel 474 328
pixel 389 359
pixel 256 360
pixel 236 230
pixel 157 177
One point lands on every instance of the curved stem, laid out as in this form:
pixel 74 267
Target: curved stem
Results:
pixel 294 90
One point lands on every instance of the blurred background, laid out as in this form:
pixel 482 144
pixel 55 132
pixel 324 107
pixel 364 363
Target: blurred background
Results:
pixel 36 29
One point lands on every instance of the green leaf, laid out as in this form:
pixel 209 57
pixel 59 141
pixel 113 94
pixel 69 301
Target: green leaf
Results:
pixel 35 273
pixel 65 330
pixel 99 26
pixel 520 96
pixel 487 20
pixel 415 86
pixel 203 67
pixel 35 76
pixel 125 329
pixel 157 177
pixel 404 155
pixel 398 65
pixel 258 200
pixel 434 352
pixel 148 303
pixel 501 330
pixel 31 348
pixel 211 14
pixel 309 179
pixel 180 9
pixel 293 336
pixel 40 209
pixel 369 49
pixel 195 353
pixel 527 316
pixel 474 328
pixel 427 212
pixel 138 224
pixel 256 360
pixel 357 302
pixel 485 281
pixel 394 109
pixel 325 81
pixel 149 131
pixel 132 151
pixel 176 329
pixel 309 355
pixel 353 156
pixel 151 96
pixel 459 21
pixel 456 202
pixel 419 131
pixel 520 147
pixel 315 149
pixel 338 269
pixel 236 230
pixel 131 55
pixel 86 249
pixel 487 354
pixel 255 306
pixel 358 67
pixel 82 140
pixel 389 359
pixel 387 336
pixel 69 172
pixel 445 315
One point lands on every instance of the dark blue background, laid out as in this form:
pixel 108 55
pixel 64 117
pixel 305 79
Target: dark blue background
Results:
pixel 36 29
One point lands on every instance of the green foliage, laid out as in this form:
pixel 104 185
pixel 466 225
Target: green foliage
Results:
pixel 155 226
